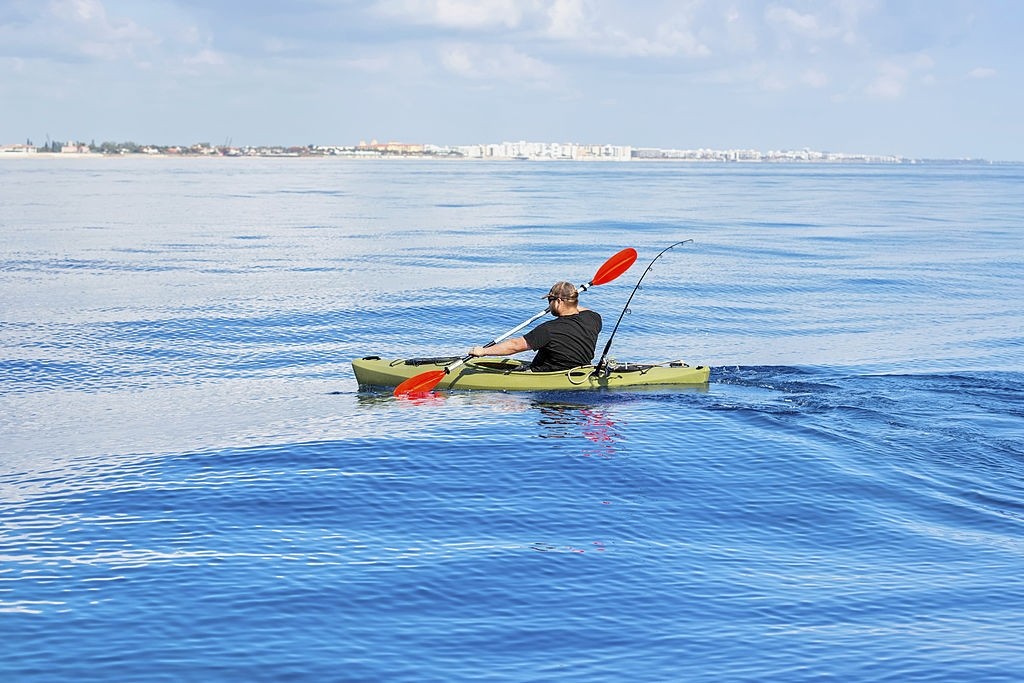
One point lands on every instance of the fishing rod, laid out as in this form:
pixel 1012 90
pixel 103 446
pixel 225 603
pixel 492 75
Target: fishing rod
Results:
pixel 600 367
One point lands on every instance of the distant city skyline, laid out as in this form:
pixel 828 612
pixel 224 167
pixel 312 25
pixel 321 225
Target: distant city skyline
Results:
pixel 525 150
pixel 914 79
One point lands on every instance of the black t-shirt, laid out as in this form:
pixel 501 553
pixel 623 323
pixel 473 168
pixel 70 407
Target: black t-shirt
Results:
pixel 565 342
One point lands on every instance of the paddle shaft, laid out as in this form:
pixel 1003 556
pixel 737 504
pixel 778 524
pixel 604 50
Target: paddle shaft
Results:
pixel 448 368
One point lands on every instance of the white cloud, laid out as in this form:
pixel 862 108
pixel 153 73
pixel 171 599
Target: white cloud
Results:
pixel 740 34
pixel 785 17
pixel 84 11
pixel 566 20
pixel 85 27
pixel 679 39
pixel 500 63
pixel 13 64
pixel 205 57
pixel 607 28
pixel 890 83
pixel 981 72
pixel 460 14
pixel 594 28
pixel 886 87
pixel 772 82
pixel 922 62
pixel 831 26
pixel 814 78
pixel 894 77
pixel 457 59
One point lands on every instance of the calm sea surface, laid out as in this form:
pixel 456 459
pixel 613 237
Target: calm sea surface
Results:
pixel 194 488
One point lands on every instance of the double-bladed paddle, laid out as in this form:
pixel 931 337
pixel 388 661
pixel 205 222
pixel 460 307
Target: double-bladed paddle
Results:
pixel 611 269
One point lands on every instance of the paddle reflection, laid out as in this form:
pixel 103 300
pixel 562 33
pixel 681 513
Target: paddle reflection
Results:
pixel 560 420
pixel 373 399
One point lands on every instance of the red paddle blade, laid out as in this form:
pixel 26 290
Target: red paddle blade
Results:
pixel 615 266
pixel 420 384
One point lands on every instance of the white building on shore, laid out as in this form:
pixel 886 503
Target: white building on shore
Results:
pixel 18 150
pixel 565 151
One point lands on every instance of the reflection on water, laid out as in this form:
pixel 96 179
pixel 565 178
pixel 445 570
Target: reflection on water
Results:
pixel 376 397
pixel 572 421
pixel 381 399
pixel 590 424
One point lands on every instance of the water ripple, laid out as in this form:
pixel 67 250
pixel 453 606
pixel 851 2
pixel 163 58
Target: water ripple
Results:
pixel 195 488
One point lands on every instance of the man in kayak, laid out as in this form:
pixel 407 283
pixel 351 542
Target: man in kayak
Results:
pixel 566 342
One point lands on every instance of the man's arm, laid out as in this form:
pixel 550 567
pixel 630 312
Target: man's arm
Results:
pixel 505 348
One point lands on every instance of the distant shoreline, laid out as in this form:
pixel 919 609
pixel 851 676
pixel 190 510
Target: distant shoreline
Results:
pixel 448 158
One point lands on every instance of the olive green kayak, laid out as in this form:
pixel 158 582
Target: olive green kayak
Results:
pixel 511 374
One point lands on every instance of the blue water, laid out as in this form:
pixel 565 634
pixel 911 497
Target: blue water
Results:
pixel 193 487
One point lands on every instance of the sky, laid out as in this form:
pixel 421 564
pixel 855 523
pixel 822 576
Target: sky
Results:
pixel 914 78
